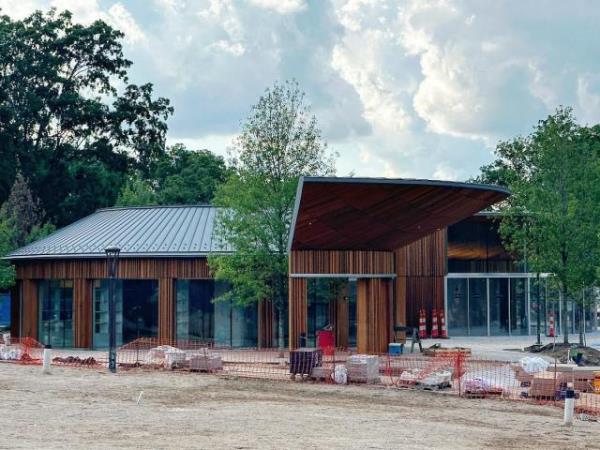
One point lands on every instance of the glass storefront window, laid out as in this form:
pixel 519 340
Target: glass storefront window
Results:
pixel 55 319
pixel 498 306
pixel 478 310
pixel 136 310
pixel 458 307
pixel 518 306
pixel 537 303
pixel 195 309
pixel 100 301
pixel 234 325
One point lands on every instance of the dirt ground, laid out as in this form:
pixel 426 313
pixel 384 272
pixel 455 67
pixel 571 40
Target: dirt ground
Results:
pixel 84 408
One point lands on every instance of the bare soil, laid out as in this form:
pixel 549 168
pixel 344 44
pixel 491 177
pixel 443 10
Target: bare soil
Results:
pixel 566 352
pixel 85 408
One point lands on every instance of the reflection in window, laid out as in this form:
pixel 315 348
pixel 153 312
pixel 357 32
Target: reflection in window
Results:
pixel 55 321
pixel 195 309
pixel 458 307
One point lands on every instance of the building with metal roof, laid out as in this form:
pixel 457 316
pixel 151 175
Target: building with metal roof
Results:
pixel 392 246
pixel 140 232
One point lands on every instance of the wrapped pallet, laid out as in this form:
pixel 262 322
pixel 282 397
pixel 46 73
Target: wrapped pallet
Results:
pixel 363 369
pixel 206 362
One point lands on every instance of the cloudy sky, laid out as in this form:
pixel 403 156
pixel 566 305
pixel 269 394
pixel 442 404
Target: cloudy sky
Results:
pixel 400 88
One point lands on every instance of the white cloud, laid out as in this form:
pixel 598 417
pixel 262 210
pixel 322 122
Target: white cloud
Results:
pixel 120 18
pixel 280 6
pixel 418 88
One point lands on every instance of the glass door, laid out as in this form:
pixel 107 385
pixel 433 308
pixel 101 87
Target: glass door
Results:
pixel 55 320
pixel 458 306
pixel 100 300
pixel 499 310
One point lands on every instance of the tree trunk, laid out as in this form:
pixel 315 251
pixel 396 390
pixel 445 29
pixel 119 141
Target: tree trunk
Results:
pixel 564 316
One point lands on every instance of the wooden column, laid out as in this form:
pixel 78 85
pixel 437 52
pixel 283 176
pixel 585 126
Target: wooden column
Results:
pixel 30 309
pixel 342 319
pixel 373 315
pixel 82 313
pixel 266 319
pixel 166 309
pixel 298 310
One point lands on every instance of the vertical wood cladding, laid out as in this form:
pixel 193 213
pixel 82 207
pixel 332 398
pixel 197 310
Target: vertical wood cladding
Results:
pixel 129 268
pixel 420 267
pixel 341 261
pixel 166 308
pixel 298 310
pixel 30 309
pixel 82 313
pixel 342 318
pixel 373 315
pixel 266 322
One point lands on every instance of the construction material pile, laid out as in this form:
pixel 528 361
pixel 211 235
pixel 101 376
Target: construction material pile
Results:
pixel 363 369
pixel 175 358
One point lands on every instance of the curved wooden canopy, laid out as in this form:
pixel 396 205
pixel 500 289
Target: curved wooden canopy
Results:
pixel 380 213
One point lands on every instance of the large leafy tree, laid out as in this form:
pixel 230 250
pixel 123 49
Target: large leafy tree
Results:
pixel 21 221
pixel 552 217
pixel 180 176
pixel 279 142
pixel 68 116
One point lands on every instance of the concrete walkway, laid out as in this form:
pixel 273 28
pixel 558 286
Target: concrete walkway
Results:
pixel 506 348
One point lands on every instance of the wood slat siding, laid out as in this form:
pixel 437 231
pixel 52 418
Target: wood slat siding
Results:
pixel 420 267
pixel 266 321
pixel 373 315
pixel 341 262
pixel 30 309
pixel 298 310
pixel 166 308
pixel 342 319
pixel 82 313
pixel 129 268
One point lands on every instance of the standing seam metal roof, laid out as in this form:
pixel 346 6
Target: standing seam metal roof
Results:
pixel 144 231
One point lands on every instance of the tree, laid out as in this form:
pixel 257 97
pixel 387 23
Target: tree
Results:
pixel 180 176
pixel 186 176
pixel 279 142
pixel 21 222
pixel 63 120
pixel 137 191
pixel 552 214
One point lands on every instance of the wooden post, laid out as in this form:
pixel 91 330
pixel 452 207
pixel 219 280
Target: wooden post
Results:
pixel 373 315
pixel 30 309
pixel 298 310
pixel 82 313
pixel 166 309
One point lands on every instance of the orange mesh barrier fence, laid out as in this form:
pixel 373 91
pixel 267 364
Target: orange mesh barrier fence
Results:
pixel 456 373
pixel 21 350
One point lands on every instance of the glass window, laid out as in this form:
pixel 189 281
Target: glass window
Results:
pixel 55 320
pixel 518 306
pixel 234 325
pixel 100 300
pixel 478 315
pixel 498 306
pixel 318 314
pixel 352 313
pixel 136 310
pixel 537 302
pixel 4 311
pixel 140 309
pixel 458 307
pixel 195 309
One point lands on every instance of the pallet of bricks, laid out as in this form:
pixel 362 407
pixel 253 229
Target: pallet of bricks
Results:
pixel 551 384
pixel 363 369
